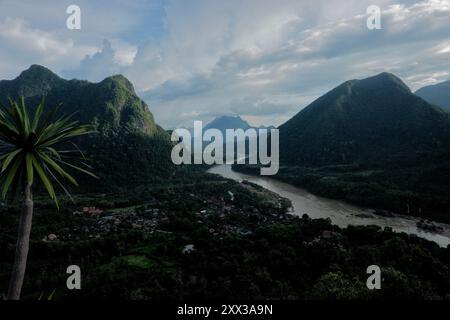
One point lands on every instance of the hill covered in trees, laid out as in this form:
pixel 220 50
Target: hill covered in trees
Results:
pixel 111 104
pixel 374 143
pixel 164 233
pixel 129 147
pixel 373 121
pixel 195 241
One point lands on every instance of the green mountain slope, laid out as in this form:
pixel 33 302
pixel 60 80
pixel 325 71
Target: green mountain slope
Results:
pixel 111 103
pixel 129 148
pixel 371 121
pixel 371 142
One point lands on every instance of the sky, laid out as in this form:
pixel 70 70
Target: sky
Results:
pixel 264 60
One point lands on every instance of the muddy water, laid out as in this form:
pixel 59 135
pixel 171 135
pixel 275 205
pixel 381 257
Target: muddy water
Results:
pixel 340 213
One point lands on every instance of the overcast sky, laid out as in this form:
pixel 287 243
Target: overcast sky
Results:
pixel 261 59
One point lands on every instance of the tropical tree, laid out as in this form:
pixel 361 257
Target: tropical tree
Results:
pixel 30 147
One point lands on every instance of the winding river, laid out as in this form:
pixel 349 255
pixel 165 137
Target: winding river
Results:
pixel 340 213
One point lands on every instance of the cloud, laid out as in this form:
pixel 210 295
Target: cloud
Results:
pixel 36 33
pixel 262 59
pixel 103 63
pixel 23 45
pixel 274 73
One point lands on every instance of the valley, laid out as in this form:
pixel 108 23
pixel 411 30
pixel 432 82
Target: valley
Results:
pixel 148 229
pixel 340 213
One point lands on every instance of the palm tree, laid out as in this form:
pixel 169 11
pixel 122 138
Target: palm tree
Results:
pixel 29 147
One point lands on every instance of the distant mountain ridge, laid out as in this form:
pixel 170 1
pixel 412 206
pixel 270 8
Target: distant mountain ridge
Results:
pixel 374 120
pixel 438 94
pixel 231 122
pixel 222 123
pixel 227 122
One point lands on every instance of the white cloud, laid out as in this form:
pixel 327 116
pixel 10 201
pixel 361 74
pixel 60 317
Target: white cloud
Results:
pixel 23 45
pixel 262 59
pixel 302 62
pixel 445 49
pixel 35 33
pixel 124 53
pixel 105 62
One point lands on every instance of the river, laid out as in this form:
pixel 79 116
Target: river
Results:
pixel 340 213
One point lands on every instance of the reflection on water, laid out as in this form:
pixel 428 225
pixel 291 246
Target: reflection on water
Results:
pixel 340 213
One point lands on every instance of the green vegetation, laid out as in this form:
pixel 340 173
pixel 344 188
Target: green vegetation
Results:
pixel 158 231
pixel 417 190
pixel 29 147
pixel 374 143
pixel 262 257
pixel 375 121
pixel 128 142
pixel 111 104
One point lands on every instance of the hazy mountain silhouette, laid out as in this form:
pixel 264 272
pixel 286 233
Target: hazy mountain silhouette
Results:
pixel 438 94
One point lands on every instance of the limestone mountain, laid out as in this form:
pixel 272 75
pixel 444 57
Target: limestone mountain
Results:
pixel 129 148
pixel 371 121
pixel 110 104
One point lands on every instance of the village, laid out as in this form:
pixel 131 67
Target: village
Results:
pixel 218 214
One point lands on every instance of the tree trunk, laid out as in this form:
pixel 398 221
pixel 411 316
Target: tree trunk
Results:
pixel 23 242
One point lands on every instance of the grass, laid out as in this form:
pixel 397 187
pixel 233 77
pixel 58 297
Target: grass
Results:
pixel 139 261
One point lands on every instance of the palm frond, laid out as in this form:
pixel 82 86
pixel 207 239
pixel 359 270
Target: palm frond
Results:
pixel 31 145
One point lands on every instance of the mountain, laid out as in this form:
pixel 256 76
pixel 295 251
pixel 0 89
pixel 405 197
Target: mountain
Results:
pixel 438 94
pixel 110 104
pixel 231 122
pixel 129 143
pixel 372 121
pixel 227 122
pixel 222 123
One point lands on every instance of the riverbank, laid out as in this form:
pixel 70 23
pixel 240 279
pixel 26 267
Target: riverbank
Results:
pixel 215 239
pixel 340 212
pixel 422 192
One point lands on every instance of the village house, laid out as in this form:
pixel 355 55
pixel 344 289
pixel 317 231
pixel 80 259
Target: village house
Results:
pixel 92 210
